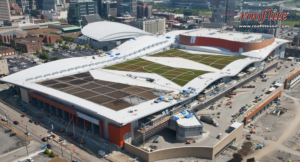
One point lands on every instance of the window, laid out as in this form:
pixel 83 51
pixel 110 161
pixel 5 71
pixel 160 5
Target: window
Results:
pixel 126 136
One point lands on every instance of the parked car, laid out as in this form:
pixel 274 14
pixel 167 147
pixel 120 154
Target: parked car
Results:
pixel 22 115
pixel 12 134
pixel 27 133
pixel 49 137
pixel 30 121
pixel 44 139
pixel 16 122
pixel 36 123
pixel 30 160
pixel 52 135
pixel 8 130
pixel 49 146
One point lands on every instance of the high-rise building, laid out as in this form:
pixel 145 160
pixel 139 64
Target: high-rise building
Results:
pixel 223 11
pixel 107 8
pixel 4 10
pixel 190 3
pixel 79 8
pixel 260 9
pixel 153 25
pixel 143 10
pixel 55 5
pixel 124 6
pixel 27 5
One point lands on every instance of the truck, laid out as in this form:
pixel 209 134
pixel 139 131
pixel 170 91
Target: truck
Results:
pixel 36 59
pixel 209 120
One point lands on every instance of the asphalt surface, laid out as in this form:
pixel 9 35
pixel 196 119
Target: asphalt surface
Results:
pixel 37 140
pixel 8 143
pixel 28 64
pixel 72 53
pixel 40 158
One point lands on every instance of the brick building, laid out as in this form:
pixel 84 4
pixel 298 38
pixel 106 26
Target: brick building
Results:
pixel 7 52
pixel 14 8
pixel 6 36
pixel 30 44
pixel 50 38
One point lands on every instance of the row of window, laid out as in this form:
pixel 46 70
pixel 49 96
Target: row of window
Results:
pixel 11 53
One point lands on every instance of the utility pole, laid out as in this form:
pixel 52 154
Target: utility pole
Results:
pixel 26 146
pixel 6 118
pixel 26 131
pixel 62 152
pixel 71 156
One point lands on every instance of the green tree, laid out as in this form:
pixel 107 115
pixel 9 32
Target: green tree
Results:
pixel 37 51
pixel 49 44
pixel 86 46
pixel 65 47
pixel 52 155
pixel 47 152
pixel 55 58
pixel 43 50
pixel 59 40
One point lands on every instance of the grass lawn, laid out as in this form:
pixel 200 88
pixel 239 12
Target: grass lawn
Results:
pixel 205 13
pixel 293 3
pixel 210 60
pixel 179 76
pixel 290 23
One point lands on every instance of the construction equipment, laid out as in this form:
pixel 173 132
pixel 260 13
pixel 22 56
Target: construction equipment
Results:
pixel 230 96
pixel 209 120
pixel 252 131
pixel 156 139
pixel 229 102
pixel 260 146
pixel 232 93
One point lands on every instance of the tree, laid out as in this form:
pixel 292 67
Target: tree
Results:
pixel 37 52
pixel 59 40
pixel 95 49
pixel 86 46
pixel 47 152
pixel 49 44
pixel 55 58
pixel 43 50
pixel 65 47
pixel 52 155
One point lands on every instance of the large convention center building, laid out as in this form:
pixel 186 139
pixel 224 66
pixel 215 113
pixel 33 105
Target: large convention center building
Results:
pixel 150 83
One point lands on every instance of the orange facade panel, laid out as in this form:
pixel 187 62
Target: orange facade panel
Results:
pixel 278 94
pixel 223 43
pixel 116 134
pixel 62 107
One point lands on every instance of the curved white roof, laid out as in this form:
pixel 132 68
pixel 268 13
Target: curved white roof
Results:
pixel 108 31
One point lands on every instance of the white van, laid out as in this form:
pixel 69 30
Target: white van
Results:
pixel 4 118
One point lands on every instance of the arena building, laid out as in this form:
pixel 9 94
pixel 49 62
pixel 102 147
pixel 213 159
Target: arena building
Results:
pixel 144 85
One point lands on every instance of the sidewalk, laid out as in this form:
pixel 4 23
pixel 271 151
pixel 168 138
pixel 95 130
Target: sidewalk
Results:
pixel 29 156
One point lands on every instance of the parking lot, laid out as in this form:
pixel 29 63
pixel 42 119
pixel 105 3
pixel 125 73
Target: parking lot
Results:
pixel 72 53
pixel 41 157
pixel 17 64
pixel 8 143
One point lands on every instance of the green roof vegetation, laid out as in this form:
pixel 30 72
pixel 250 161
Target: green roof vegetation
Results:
pixel 179 76
pixel 216 61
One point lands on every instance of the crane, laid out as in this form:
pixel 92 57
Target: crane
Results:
pixel 231 14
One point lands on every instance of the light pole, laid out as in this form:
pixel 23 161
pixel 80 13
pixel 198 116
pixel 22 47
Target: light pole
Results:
pixel 62 154
pixel 26 146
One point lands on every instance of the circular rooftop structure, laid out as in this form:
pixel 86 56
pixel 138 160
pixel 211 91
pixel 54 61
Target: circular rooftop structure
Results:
pixel 108 31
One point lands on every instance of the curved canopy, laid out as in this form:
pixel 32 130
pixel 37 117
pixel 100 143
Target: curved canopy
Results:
pixel 108 31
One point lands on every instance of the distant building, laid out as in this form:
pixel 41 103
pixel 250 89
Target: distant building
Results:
pixel 23 23
pixel 6 36
pixel 49 38
pixel 4 10
pixel 167 15
pixel 190 3
pixel 15 9
pixel 41 19
pixel 30 44
pixel 3 67
pixel 143 10
pixel 27 5
pixel 87 19
pixel 6 52
pixel 124 6
pixel 153 25
pixel 107 8
pixel 223 11
pixel 213 25
pixel 79 8
pixel 125 19
pixel 56 5
pixel 56 15
pixel 259 9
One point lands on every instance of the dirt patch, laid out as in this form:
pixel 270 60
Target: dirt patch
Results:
pixel 244 151
pixel 279 157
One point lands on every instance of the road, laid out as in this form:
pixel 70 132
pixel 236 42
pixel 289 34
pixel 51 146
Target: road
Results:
pixel 35 137
pixel 289 131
